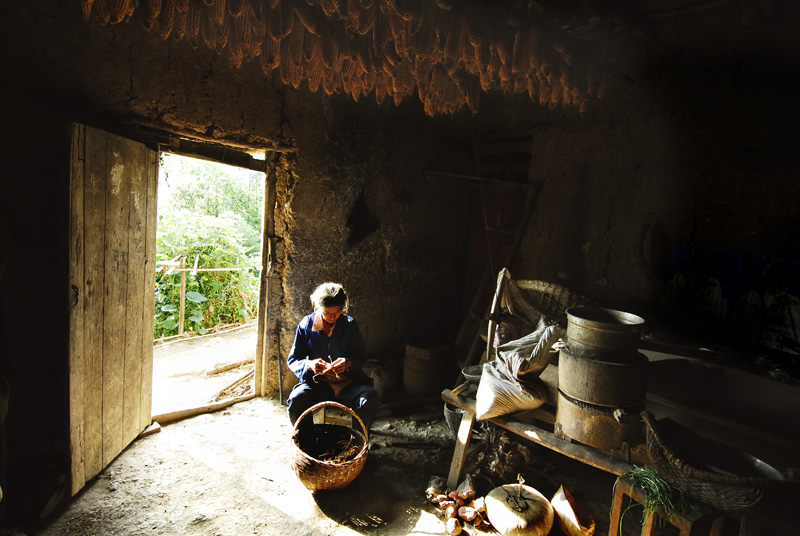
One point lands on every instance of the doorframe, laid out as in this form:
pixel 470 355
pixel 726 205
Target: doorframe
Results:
pixel 268 325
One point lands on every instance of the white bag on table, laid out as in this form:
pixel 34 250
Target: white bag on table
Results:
pixel 511 382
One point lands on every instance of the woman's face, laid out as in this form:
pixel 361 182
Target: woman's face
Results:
pixel 331 314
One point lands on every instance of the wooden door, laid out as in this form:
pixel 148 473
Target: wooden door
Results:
pixel 112 277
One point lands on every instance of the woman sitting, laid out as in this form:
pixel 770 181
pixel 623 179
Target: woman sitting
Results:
pixel 327 356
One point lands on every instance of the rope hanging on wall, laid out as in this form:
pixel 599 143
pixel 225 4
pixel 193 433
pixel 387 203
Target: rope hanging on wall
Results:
pixel 447 51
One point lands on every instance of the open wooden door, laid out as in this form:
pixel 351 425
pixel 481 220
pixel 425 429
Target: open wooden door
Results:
pixel 112 277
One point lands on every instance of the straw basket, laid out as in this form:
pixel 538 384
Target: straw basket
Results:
pixel 550 299
pixel 727 492
pixel 332 427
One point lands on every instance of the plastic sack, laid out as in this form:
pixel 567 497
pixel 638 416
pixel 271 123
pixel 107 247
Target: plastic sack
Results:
pixel 511 382
pixel 498 394
pixel 531 353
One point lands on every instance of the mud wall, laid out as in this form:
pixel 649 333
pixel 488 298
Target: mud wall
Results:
pixel 354 206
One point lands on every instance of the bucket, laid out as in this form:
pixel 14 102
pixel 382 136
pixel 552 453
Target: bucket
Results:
pixel 601 332
pixel 423 370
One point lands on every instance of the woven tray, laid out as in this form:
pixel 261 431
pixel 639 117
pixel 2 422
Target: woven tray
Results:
pixel 727 492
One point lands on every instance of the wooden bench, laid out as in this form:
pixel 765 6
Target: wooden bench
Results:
pixel 540 432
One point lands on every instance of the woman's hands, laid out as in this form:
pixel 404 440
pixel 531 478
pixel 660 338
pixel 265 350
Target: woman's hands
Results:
pixel 340 365
pixel 331 371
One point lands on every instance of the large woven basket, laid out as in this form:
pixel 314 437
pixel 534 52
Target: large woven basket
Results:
pixel 727 492
pixel 327 428
pixel 550 299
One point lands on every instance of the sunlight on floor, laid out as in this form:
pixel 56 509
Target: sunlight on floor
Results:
pixel 428 524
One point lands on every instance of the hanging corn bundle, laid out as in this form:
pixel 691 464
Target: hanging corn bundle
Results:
pixel 446 52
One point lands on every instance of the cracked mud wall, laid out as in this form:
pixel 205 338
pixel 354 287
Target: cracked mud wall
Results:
pixel 354 206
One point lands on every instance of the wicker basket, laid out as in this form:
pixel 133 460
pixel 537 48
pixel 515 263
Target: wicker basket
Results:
pixel 727 492
pixel 550 299
pixel 317 474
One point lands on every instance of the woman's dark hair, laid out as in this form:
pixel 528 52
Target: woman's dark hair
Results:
pixel 329 295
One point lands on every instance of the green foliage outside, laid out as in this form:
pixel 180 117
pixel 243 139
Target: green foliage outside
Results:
pixel 212 214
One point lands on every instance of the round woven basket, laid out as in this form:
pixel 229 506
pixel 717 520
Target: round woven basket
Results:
pixel 721 491
pixel 318 474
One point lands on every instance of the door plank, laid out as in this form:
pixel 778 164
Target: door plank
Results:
pixel 132 392
pixel 116 283
pixel 76 333
pixel 94 238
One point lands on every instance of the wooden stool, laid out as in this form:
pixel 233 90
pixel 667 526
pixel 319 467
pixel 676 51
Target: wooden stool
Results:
pixel 693 523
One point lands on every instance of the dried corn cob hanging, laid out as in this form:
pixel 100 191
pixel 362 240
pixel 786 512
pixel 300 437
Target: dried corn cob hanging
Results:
pixel 446 52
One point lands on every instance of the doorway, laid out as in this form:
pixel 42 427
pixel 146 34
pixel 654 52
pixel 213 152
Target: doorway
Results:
pixel 208 251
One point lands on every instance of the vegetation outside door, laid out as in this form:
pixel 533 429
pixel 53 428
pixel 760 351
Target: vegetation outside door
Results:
pixel 112 271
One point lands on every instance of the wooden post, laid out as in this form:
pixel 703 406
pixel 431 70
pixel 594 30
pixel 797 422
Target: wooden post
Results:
pixel 182 311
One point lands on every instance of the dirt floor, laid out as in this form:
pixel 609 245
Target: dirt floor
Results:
pixel 231 472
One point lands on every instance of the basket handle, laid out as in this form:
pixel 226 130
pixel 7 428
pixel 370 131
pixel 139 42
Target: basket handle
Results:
pixel 339 405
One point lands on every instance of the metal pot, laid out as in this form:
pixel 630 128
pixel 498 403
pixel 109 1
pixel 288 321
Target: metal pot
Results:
pixel 597 331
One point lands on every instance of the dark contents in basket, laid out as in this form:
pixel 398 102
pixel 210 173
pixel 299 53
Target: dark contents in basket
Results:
pixel 330 442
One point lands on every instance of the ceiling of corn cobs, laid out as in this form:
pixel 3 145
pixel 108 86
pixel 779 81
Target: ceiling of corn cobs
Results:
pixel 446 52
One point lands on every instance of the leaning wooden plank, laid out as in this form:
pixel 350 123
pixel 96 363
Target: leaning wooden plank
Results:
pixel 462 444
pixel 241 380
pixel 173 416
